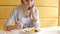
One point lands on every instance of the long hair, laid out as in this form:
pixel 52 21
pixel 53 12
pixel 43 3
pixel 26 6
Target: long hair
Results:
pixel 22 1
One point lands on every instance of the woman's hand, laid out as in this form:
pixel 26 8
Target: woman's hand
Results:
pixel 31 8
pixel 19 26
pixel 10 27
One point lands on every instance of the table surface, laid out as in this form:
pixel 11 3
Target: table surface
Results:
pixel 47 30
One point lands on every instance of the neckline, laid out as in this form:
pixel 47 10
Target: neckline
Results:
pixel 22 13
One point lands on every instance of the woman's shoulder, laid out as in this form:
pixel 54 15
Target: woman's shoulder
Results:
pixel 16 8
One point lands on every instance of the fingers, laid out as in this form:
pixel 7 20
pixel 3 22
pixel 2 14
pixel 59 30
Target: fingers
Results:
pixel 31 7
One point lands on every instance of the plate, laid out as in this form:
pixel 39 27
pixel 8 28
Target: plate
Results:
pixel 31 30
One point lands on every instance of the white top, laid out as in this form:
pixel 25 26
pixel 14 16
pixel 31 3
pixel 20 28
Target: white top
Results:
pixel 17 15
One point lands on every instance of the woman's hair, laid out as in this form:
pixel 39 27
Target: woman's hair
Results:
pixel 22 1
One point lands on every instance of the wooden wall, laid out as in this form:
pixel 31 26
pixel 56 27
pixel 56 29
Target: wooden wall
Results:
pixel 59 13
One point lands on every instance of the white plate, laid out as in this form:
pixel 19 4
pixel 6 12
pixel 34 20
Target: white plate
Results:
pixel 30 29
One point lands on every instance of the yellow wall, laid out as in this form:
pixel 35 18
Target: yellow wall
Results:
pixel 59 13
pixel 48 11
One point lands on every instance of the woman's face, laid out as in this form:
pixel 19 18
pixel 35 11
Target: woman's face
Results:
pixel 28 3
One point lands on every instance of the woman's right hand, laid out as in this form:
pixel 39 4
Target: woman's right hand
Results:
pixel 10 27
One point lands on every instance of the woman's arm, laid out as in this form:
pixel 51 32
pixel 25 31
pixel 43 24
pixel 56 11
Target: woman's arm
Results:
pixel 35 17
pixel 33 12
pixel 13 17
pixel 10 20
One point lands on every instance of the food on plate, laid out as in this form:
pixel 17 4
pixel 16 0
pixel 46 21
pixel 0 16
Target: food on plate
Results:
pixel 31 30
pixel 35 30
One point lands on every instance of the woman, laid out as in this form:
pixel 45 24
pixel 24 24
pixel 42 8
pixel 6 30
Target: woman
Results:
pixel 25 16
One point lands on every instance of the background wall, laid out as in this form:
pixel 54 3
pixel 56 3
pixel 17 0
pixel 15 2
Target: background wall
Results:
pixel 59 14
pixel 48 11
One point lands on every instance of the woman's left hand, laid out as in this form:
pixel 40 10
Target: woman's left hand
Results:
pixel 33 14
pixel 31 8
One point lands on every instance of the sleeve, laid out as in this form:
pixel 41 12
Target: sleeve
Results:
pixel 37 23
pixel 11 18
